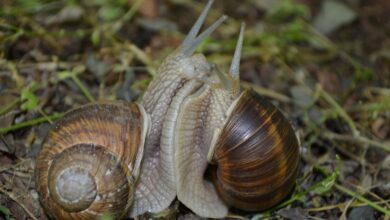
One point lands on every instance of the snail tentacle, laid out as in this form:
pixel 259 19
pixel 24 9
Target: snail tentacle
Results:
pixel 235 65
pixel 190 48
pixel 195 135
pixel 188 41
pixel 156 187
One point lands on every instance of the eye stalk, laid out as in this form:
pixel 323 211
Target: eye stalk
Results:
pixel 193 120
pixel 235 65
pixel 198 24
pixel 231 81
pixel 245 142
pixel 192 41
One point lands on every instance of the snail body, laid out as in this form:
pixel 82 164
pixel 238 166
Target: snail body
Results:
pixel 191 121
pixel 202 108
pixel 251 147
pixel 250 144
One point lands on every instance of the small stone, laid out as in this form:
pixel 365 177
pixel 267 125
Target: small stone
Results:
pixel 362 213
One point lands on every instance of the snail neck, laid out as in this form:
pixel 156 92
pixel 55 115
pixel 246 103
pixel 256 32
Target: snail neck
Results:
pixel 177 77
pixel 201 115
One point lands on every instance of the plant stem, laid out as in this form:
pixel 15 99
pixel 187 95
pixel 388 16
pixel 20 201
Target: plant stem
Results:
pixel 339 110
pixel 17 200
pixel 8 107
pixel 357 139
pixel 30 123
pixel 362 199
pixel 83 89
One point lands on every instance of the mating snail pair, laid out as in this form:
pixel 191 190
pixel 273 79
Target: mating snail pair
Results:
pixel 126 159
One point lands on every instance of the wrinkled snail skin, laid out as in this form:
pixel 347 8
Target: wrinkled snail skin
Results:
pixel 126 159
pixel 199 118
pixel 180 75
pixel 157 188
pixel 90 160
pixel 252 146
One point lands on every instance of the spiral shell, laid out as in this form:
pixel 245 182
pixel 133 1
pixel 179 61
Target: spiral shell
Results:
pixel 257 155
pixel 89 161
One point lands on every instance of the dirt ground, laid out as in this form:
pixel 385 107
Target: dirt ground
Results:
pixel 325 64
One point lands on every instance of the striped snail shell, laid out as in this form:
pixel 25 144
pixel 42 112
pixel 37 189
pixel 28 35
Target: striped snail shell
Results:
pixel 200 120
pixel 256 155
pixel 248 145
pixel 89 161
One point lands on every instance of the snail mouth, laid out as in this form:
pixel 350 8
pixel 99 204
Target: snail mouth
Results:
pixel 76 189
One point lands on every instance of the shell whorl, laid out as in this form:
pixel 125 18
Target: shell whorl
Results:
pixel 197 114
pixel 257 155
pixel 89 161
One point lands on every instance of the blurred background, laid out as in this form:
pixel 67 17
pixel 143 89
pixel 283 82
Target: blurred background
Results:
pixel 324 63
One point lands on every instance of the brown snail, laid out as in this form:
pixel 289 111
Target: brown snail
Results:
pixel 90 160
pixel 199 120
pixel 253 147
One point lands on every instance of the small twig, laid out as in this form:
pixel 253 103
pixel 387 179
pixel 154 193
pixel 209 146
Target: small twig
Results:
pixel 131 12
pixel 20 174
pixel 339 110
pixel 356 139
pixel 337 206
pixel 232 216
pixel 83 89
pixel 315 218
pixel 10 106
pixel 367 191
pixel 13 197
pixel 15 74
pixel 20 163
pixel 45 115
pixel 357 158
pixel 30 123
pixel 266 92
pixel 383 106
pixel 6 147
pixel 144 58
pixel 343 215
pixel 5 168
pixel 362 199
pixel 380 90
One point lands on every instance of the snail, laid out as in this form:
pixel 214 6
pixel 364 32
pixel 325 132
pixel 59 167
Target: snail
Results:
pixel 198 103
pixel 90 160
pixel 194 135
